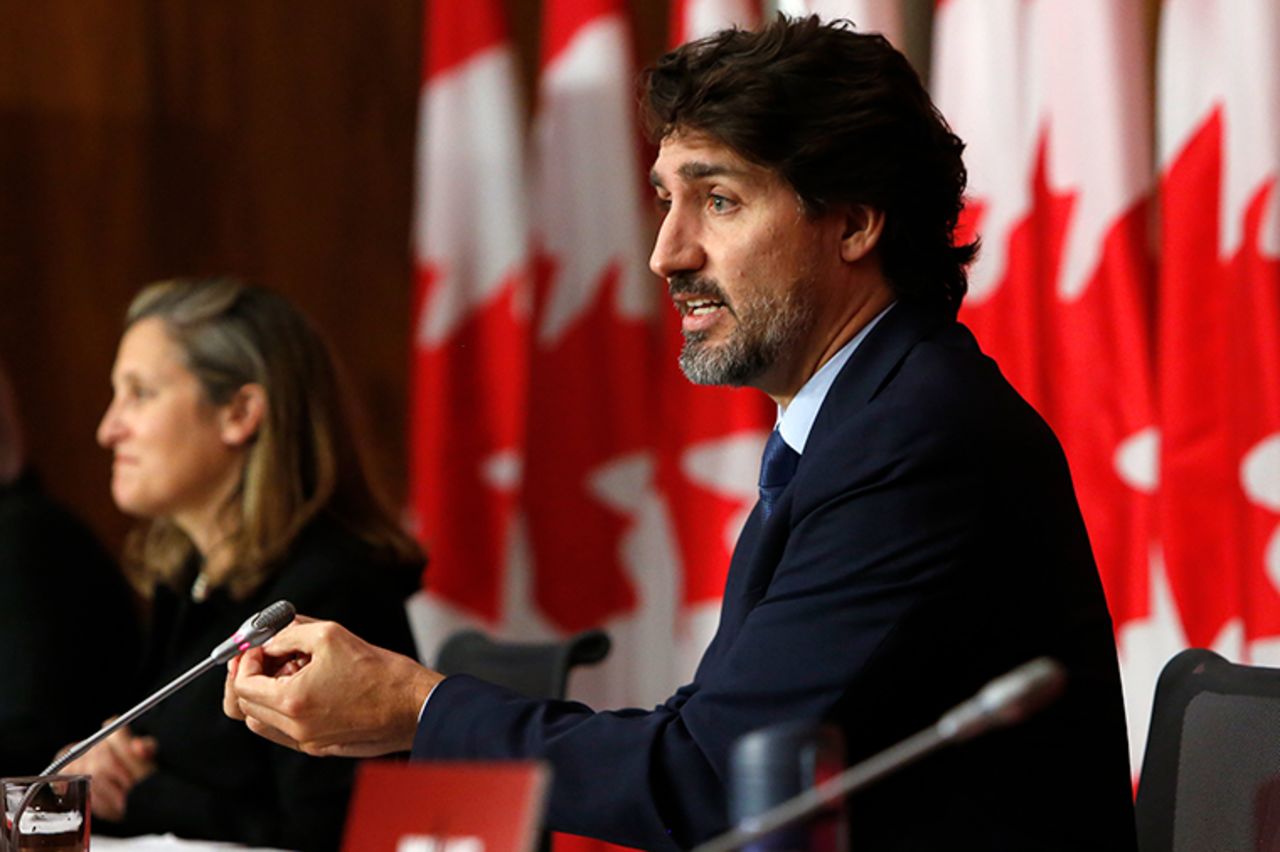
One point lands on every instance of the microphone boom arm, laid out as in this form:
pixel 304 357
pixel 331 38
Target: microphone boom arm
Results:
pixel 1007 700
pixel 120 721
pixel 869 771
pixel 258 628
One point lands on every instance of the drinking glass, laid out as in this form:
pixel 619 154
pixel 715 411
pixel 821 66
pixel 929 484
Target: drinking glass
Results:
pixel 50 814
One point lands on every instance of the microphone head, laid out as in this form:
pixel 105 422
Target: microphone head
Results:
pixel 258 628
pixel 1025 691
pixel 1007 700
pixel 274 618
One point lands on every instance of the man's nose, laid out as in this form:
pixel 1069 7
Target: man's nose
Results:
pixel 676 249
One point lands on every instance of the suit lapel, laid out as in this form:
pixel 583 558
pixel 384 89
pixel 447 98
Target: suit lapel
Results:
pixel 870 368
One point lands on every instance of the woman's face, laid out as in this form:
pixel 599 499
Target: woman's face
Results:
pixel 174 455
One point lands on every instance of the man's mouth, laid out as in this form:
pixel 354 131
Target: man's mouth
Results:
pixel 701 303
pixel 699 315
pixel 699 307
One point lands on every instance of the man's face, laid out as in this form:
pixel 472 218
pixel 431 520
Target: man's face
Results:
pixel 744 264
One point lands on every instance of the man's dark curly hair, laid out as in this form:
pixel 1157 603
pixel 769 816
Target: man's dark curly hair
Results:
pixel 844 118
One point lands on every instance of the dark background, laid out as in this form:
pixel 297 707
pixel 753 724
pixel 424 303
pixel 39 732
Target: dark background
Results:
pixel 147 139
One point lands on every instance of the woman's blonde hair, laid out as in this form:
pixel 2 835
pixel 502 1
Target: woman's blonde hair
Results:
pixel 304 460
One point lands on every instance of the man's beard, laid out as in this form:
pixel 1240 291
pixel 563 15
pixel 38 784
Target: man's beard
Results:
pixel 767 324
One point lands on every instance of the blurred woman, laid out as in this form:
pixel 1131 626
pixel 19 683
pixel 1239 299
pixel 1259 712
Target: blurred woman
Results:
pixel 229 438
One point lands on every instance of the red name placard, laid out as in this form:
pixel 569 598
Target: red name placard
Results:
pixel 446 807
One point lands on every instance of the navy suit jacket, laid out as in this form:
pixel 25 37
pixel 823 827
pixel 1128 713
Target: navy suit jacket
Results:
pixel 929 541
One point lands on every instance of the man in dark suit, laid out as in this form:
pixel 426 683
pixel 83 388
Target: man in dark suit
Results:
pixel 917 533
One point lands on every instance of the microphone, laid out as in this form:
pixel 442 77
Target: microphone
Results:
pixel 256 630
pixel 1007 700
pixel 771 765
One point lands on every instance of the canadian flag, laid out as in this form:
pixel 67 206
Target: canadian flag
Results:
pixel 534 475
pixel 599 540
pixel 694 19
pixel 868 16
pixel 595 535
pixel 471 257
pixel 1053 103
pixel 1219 322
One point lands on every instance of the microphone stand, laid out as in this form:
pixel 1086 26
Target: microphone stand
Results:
pixel 128 716
pixel 1007 700
pixel 107 730
pixel 854 778
pixel 257 629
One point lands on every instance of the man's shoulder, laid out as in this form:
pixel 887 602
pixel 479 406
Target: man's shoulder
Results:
pixel 947 376
pixel 939 379
pixel 941 403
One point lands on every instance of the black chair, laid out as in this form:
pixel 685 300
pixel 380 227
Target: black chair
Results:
pixel 1211 773
pixel 534 669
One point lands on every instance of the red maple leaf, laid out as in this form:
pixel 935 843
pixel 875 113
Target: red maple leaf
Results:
pixel 589 405
pixel 467 407
pixel 1220 395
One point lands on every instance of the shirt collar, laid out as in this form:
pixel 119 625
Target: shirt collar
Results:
pixel 796 420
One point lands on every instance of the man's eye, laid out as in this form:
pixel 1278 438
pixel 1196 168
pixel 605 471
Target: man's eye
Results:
pixel 663 205
pixel 720 204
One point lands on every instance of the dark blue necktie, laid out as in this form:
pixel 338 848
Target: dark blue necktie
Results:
pixel 777 466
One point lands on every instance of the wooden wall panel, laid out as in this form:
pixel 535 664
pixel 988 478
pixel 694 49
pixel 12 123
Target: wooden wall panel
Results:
pixel 142 140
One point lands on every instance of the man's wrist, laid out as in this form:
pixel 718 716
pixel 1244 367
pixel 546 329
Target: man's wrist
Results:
pixel 420 686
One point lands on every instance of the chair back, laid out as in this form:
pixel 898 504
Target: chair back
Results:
pixel 1211 773
pixel 534 669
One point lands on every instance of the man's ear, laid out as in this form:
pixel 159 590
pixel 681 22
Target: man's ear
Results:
pixel 863 225
pixel 240 418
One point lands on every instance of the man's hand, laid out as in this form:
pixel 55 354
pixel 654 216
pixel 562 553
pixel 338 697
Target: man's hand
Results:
pixel 317 688
pixel 116 764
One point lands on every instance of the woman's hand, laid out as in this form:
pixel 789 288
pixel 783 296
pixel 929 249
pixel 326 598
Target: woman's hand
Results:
pixel 116 765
